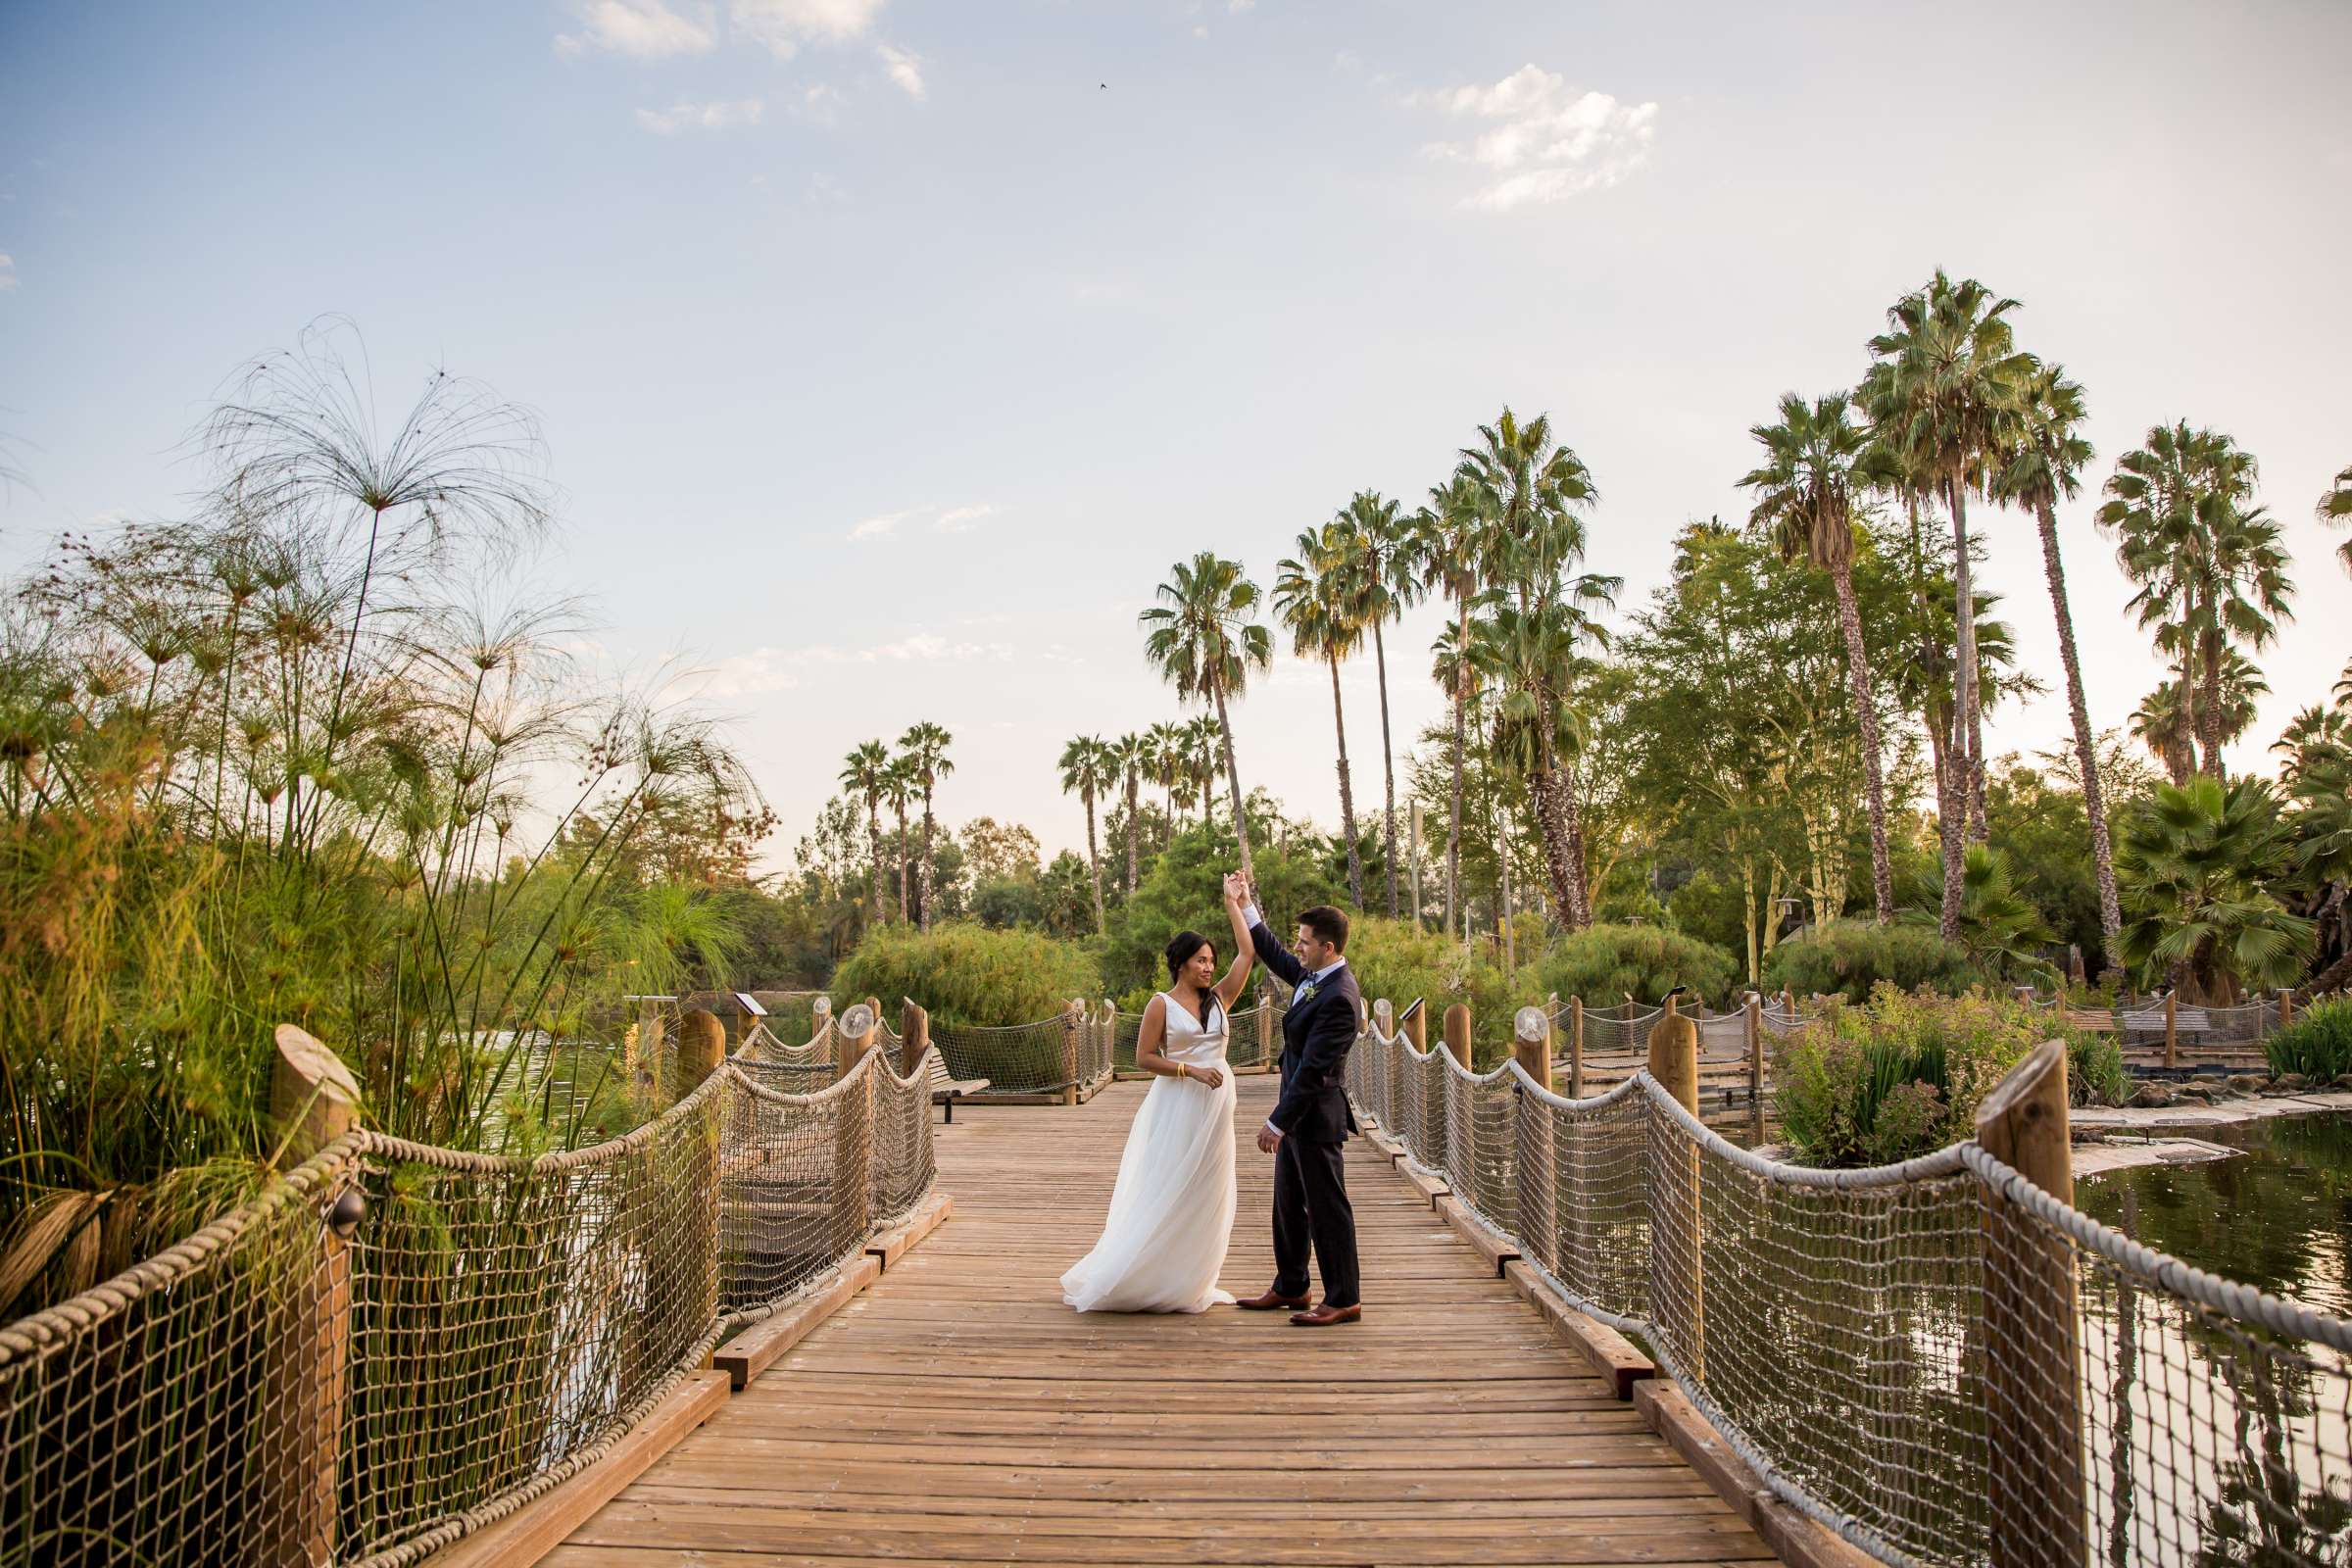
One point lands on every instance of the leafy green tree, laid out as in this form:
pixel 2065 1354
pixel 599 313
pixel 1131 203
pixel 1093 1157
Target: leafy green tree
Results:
pixel 2336 508
pixel 1088 769
pixel 1126 757
pixel 1183 890
pixel 899 786
pixel 2000 930
pixel 925 748
pixel 1850 958
pixel 1311 597
pixel 1806 496
pixel 1452 539
pixel 2197 864
pixel 1605 964
pixel 1204 637
pixel 963 973
pixel 2044 465
pixel 1063 896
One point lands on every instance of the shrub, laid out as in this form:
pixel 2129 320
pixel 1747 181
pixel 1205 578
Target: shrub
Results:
pixel 1850 958
pixel 1903 1073
pixel 1603 962
pixel 1393 959
pixel 968 974
pixel 2318 1044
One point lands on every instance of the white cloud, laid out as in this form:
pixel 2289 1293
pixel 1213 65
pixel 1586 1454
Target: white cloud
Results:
pixel 903 68
pixel 783 25
pixel 7 271
pixel 1549 142
pixel 1237 7
pixel 648 30
pixel 701 117
pixel 963 519
pixel 821 104
pixel 875 527
pixel 775 669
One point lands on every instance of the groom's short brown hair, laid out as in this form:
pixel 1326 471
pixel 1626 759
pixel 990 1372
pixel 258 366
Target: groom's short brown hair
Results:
pixel 1328 925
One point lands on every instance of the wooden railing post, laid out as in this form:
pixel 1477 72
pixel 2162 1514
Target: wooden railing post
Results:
pixel 820 1021
pixel 1576 1048
pixel 746 1019
pixel 2172 1029
pixel 1457 1034
pixel 853 1121
pixel 1070 1053
pixel 1754 1024
pixel 914 1038
pixel 1416 1029
pixel 1266 1053
pixel 314 1100
pixel 851 1048
pixel 701 1047
pixel 2286 1006
pixel 646 1070
pixel 1530 1045
pixel 2033 1345
pixel 1674 1064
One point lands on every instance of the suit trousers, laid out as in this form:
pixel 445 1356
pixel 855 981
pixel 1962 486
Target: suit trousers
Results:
pixel 1311 1208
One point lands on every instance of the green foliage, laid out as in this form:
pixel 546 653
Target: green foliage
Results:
pixel 2000 930
pixel 1183 890
pixel 1850 958
pixel 1902 1074
pixel 968 974
pixel 1604 964
pixel 2318 1044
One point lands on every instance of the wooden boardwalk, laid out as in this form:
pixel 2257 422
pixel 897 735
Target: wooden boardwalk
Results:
pixel 958 1412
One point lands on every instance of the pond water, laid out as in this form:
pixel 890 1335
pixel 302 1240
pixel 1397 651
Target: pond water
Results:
pixel 2278 1217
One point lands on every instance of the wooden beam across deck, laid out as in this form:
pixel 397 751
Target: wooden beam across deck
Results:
pixel 956 1411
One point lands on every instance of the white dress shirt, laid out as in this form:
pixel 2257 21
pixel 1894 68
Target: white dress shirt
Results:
pixel 1252 920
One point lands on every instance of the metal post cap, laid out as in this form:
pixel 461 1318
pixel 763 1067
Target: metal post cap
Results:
pixel 858 1021
pixel 1531 1023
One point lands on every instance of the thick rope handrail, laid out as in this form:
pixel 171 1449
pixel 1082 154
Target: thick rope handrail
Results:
pixel 2281 1314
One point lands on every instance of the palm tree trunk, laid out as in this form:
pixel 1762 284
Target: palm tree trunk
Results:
pixel 1094 866
pixel 1857 669
pixel 1233 781
pixel 906 878
pixel 1557 865
pixel 1503 857
pixel 874 868
pixel 2102 853
pixel 1453 818
pixel 922 900
pixel 2209 711
pixel 1949 814
pixel 1387 766
pixel 1965 735
pixel 1355 864
pixel 1580 887
pixel 1135 786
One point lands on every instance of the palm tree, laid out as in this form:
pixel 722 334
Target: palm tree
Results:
pixel 1452 540
pixel 1205 742
pixel 1946 386
pixel 925 748
pixel 1534 492
pixel 2336 508
pixel 2197 864
pixel 1204 639
pixel 1164 754
pixel 1127 756
pixel 899 786
pixel 2044 466
pixel 2210 565
pixel 1530 658
pixel 2163 721
pixel 1383 585
pixel 867 772
pixel 1087 771
pixel 1806 495
pixel 1311 594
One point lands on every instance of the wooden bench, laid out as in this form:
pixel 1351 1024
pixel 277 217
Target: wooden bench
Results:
pixel 946 1091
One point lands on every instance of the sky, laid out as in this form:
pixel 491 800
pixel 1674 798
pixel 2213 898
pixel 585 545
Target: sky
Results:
pixel 889 352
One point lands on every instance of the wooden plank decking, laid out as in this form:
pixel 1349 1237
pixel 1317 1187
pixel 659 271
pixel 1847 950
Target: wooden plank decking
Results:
pixel 958 1412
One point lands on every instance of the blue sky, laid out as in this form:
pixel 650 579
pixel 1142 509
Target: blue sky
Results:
pixel 888 356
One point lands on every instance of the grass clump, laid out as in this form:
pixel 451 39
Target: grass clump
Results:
pixel 2318 1044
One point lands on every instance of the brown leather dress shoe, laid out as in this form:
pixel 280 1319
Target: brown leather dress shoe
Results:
pixel 1272 1301
pixel 1324 1316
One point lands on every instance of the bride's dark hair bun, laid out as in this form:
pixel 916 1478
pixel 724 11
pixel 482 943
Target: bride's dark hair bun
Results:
pixel 1182 948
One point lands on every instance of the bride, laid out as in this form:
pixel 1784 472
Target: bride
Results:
pixel 1171 1211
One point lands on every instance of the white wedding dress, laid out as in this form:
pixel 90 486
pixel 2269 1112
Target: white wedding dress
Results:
pixel 1171 1211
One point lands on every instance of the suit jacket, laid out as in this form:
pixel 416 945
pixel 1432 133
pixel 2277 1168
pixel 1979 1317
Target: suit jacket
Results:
pixel 1316 1037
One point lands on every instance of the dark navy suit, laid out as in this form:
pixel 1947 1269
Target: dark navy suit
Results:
pixel 1310 1186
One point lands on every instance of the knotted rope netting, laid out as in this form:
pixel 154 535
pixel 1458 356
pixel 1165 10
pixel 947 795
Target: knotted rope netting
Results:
pixel 398 1343
pixel 1936 1360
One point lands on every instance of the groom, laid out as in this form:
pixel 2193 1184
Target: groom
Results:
pixel 1312 1120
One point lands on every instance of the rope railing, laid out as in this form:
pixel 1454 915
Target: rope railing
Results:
pixel 1941 1361
pixel 396 1343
